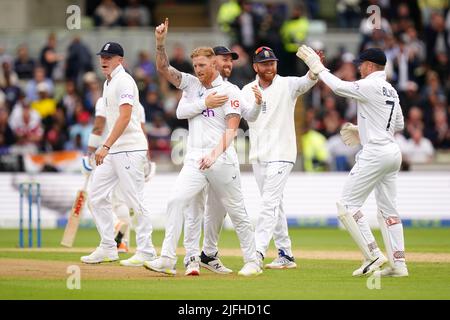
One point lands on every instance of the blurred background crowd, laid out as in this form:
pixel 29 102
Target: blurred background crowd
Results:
pixel 47 101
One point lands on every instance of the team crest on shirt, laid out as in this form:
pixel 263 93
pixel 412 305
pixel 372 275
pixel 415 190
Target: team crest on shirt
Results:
pixel 356 85
pixel 235 104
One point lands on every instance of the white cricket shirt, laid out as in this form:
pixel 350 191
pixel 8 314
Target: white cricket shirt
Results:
pixel 206 129
pixel 123 90
pixel 379 111
pixel 272 135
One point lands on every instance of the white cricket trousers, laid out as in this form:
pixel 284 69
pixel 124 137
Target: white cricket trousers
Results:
pixel 224 179
pixel 271 178
pixel 376 168
pixel 125 169
pixel 212 215
pixel 121 212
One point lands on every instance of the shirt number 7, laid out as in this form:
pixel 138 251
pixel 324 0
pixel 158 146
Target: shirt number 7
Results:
pixel 392 104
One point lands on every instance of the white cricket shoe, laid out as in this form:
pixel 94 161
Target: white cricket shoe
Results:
pixel 392 272
pixel 369 266
pixel 252 268
pixel 137 260
pixel 283 261
pixel 163 265
pixel 213 263
pixel 192 267
pixel 100 255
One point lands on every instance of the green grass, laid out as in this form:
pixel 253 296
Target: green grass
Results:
pixel 417 239
pixel 314 279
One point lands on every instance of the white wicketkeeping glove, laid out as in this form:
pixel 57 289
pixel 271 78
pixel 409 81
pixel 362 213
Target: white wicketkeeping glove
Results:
pixel 311 58
pixel 350 134
pixel 149 170
pixel 87 165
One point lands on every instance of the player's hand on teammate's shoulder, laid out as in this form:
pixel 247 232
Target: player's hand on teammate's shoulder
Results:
pixel 258 94
pixel 214 100
pixel 161 30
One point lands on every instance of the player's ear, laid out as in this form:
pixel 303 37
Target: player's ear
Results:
pixel 255 67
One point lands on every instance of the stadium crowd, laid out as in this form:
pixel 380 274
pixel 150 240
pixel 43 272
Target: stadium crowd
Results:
pixel 44 112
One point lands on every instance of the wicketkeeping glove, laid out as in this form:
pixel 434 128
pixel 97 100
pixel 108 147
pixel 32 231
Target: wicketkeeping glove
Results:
pixel 311 58
pixel 350 135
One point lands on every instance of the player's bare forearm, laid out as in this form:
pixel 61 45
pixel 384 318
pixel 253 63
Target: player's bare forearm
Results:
pixel 164 68
pixel 230 133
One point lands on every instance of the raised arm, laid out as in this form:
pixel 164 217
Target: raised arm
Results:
pixel 162 61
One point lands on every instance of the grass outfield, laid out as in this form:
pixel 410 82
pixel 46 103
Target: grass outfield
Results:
pixel 41 274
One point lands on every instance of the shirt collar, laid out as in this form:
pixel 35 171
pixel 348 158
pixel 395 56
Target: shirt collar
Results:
pixel 217 81
pixel 377 74
pixel 117 70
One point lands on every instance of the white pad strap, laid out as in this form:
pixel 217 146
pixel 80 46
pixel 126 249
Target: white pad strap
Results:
pixel 94 141
pixel 392 237
pixel 348 220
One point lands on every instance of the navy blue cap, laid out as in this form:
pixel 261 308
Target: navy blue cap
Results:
pixel 374 55
pixel 263 54
pixel 224 50
pixel 111 49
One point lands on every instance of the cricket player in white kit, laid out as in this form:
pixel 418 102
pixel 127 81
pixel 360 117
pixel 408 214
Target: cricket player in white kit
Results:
pixel 120 161
pixel 377 164
pixel 210 157
pixel 273 150
pixel 122 219
pixel 207 201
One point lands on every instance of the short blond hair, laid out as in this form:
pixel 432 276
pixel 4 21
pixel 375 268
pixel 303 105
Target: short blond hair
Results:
pixel 203 52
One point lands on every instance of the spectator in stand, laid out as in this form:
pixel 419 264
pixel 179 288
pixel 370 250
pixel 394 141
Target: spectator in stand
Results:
pixel 92 91
pixel 108 14
pixel 23 64
pixel 26 125
pixel 82 128
pixel 7 138
pixel 179 61
pixel 56 135
pixel 227 14
pixel 404 64
pixel 437 38
pixel 294 33
pixel 79 61
pixel 69 101
pixel 9 84
pixel 147 65
pixel 441 131
pixel 418 149
pixel 243 72
pixel 341 156
pixel 246 28
pixel 159 136
pixel 136 15
pixel 39 77
pixel 49 58
pixel 348 13
pixel 414 121
pixel 152 105
pixel 44 105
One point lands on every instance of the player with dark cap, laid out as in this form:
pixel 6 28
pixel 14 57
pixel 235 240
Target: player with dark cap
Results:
pixel 377 164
